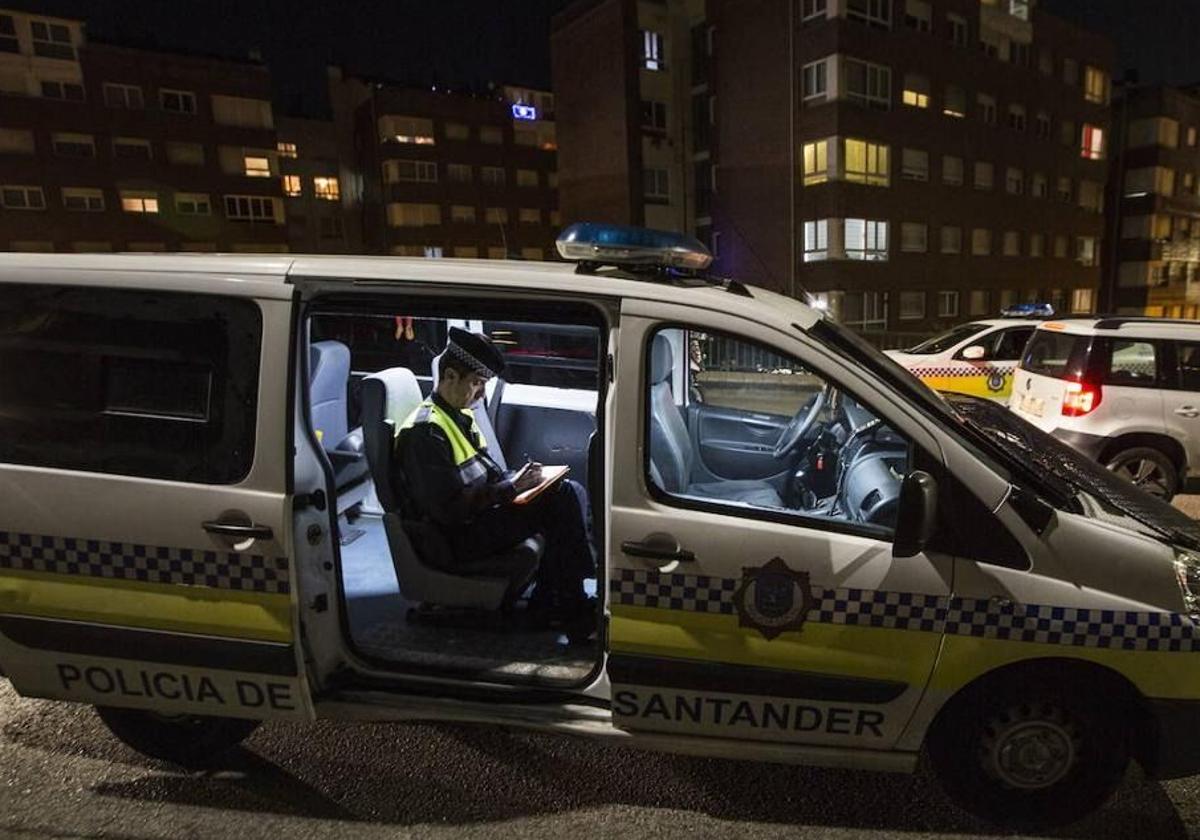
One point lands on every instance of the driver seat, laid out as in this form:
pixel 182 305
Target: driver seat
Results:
pixel 671 451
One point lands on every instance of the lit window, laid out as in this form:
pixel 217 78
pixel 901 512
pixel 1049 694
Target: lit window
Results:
pixel 291 185
pixel 1085 250
pixel 177 101
pixel 816 162
pixel 139 202
pixel 257 167
pixel 326 188
pixel 286 150
pixel 399 129
pixel 916 90
pixel 816 240
pixel 1081 300
pixel 1095 85
pixel 866 239
pixel 1092 147
pixel 653 57
pixel 82 199
pixel 866 163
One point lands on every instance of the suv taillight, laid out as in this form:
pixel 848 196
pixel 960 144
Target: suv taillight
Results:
pixel 1080 398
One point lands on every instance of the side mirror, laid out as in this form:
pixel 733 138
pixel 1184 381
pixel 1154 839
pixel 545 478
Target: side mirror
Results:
pixel 916 519
pixel 974 353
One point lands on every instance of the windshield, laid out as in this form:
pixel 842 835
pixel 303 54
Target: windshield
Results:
pixel 1015 447
pixel 942 343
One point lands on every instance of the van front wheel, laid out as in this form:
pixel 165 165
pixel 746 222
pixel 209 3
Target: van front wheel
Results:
pixel 1029 758
pixel 192 741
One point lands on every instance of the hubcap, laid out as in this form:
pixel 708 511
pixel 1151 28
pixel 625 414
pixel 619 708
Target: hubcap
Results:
pixel 1029 748
pixel 1143 473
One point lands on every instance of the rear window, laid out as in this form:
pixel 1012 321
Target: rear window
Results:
pixel 154 384
pixel 559 355
pixel 1057 354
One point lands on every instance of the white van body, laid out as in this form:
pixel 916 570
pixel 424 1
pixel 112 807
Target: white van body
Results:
pixel 169 541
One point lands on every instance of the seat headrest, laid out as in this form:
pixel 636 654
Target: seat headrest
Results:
pixel 661 359
pixel 403 393
pixel 323 353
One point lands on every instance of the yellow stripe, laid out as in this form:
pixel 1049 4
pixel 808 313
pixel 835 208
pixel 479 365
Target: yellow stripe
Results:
pixel 1159 674
pixel 900 655
pixel 188 609
pixel 974 385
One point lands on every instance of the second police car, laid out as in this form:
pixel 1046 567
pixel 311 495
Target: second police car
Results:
pixel 978 357
pixel 805 556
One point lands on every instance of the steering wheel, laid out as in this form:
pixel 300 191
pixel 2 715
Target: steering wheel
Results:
pixel 802 423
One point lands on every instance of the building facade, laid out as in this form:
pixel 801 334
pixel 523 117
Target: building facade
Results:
pixel 322 207
pixel 1155 233
pixel 448 174
pixel 109 148
pixel 634 118
pixel 948 157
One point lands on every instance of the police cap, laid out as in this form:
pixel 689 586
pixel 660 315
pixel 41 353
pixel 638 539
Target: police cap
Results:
pixel 476 352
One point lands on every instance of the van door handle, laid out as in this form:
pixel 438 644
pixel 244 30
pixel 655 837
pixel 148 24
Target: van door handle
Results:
pixel 658 550
pixel 1188 411
pixel 239 531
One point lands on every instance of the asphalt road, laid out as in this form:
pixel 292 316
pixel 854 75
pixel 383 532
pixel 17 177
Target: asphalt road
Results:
pixel 63 776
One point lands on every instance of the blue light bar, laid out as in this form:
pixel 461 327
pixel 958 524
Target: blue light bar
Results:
pixel 524 112
pixel 624 245
pixel 1028 310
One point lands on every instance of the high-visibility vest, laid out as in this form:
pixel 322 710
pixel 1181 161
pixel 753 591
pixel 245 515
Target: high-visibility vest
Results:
pixel 468 457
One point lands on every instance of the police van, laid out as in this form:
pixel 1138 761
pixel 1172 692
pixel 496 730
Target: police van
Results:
pixel 804 555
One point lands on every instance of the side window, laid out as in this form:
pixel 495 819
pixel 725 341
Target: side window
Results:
pixel 1132 362
pixel 1010 344
pixel 547 354
pixel 1189 365
pixel 379 341
pixel 155 384
pixel 734 425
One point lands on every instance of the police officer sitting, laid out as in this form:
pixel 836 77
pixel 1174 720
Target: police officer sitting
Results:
pixel 450 481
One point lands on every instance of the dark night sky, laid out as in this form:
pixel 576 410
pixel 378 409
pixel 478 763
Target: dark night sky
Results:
pixel 466 43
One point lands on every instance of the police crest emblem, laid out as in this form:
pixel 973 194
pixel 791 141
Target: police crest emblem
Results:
pixel 773 598
pixel 995 381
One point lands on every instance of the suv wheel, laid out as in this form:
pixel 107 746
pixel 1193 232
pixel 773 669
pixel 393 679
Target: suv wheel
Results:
pixel 191 741
pixel 1147 468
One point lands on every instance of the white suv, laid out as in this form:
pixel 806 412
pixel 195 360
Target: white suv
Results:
pixel 1123 390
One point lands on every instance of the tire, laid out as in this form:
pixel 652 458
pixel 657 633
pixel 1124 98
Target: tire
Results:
pixel 192 741
pixel 1147 468
pixel 1030 755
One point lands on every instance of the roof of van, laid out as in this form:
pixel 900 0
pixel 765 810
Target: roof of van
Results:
pixel 272 276
pixel 1125 325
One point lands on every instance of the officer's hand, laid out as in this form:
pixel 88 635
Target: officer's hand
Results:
pixel 532 477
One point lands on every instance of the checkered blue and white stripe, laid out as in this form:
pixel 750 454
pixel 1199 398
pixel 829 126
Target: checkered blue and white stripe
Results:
pixel 149 564
pixel 978 617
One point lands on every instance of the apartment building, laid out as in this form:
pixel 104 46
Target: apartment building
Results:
pixel 105 148
pixel 321 202
pixel 1155 234
pixel 635 117
pixel 939 159
pixel 444 174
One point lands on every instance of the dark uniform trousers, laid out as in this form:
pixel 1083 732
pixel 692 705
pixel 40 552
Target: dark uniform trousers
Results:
pixel 558 515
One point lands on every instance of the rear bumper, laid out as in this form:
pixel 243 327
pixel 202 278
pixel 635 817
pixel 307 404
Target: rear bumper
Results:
pixel 1090 445
pixel 1172 748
